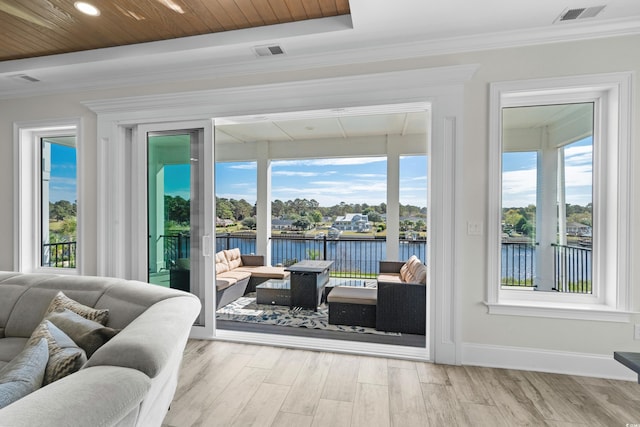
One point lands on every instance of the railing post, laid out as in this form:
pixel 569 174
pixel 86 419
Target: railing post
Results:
pixel 324 249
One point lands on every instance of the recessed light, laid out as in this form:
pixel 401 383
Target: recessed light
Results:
pixel 86 8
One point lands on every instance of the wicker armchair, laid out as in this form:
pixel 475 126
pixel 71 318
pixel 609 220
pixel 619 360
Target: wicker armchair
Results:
pixel 401 306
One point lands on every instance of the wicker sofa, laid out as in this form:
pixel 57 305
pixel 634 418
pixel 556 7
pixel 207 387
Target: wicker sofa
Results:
pixel 402 292
pixel 398 304
pixel 237 274
pixel 128 381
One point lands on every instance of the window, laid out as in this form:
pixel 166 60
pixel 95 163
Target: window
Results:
pixel 559 237
pixel 58 201
pixel 46 198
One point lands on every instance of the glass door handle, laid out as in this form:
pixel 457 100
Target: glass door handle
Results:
pixel 206 246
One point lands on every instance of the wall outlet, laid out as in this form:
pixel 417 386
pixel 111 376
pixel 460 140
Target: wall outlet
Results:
pixel 636 331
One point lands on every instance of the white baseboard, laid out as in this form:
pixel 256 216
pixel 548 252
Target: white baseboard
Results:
pixel 557 362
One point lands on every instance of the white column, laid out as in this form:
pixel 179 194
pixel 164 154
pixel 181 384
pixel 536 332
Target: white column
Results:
pixel 546 214
pixel 393 200
pixel 263 203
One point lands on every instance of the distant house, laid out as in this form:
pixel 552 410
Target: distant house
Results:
pixel 577 229
pixel 353 222
pixel 281 224
pixel 220 222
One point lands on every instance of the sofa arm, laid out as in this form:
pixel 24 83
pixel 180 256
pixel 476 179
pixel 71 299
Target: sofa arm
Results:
pixel 137 348
pixel 252 260
pixel 391 266
pixel 100 396
pixel 401 307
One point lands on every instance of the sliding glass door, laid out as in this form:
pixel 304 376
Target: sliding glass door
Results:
pixel 178 235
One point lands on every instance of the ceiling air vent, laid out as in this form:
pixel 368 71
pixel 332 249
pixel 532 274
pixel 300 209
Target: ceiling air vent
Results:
pixel 268 50
pixel 579 13
pixel 24 78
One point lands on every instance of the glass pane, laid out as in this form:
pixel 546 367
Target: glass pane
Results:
pixel 330 209
pixel 413 207
pixel 547 197
pixel 236 196
pixel 174 210
pixel 59 194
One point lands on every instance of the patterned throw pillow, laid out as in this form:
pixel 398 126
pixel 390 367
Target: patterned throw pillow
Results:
pixel 87 334
pixel 406 271
pixel 65 357
pixel 24 373
pixel 61 301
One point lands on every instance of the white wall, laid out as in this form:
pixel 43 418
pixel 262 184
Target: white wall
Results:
pixel 476 326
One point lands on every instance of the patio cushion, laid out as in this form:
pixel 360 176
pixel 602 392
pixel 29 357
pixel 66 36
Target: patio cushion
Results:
pixel 224 283
pixel 221 263
pixel 353 295
pixel 265 271
pixel 413 271
pixel 389 278
pixel 234 258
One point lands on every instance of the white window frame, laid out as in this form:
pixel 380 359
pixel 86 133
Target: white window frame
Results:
pixel 611 95
pixel 27 193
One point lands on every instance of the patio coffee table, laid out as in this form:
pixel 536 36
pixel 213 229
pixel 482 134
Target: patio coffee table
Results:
pixel 274 292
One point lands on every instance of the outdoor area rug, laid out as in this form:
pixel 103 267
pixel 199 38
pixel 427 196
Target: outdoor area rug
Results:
pixel 245 309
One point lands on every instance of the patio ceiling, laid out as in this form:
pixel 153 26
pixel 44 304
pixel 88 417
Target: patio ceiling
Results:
pixel 317 128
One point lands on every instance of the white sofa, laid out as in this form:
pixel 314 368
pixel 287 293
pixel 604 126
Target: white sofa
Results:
pixel 128 381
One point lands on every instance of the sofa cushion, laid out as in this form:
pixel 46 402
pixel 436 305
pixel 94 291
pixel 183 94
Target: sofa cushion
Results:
pixel 61 302
pixel 265 271
pixel 87 334
pixel 64 356
pixel 223 283
pixel 413 271
pixel 221 263
pixel 10 347
pixel 234 258
pixel 353 295
pixel 389 278
pixel 24 374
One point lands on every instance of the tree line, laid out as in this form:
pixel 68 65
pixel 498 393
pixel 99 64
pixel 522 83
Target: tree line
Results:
pixel 522 220
pixel 238 210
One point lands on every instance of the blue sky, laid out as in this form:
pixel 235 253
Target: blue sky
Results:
pixel 350 180
pixel 63 181
pixel 329 181
pixel 519 176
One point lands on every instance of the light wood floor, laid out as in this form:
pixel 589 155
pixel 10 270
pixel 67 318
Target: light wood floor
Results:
pixel 229 384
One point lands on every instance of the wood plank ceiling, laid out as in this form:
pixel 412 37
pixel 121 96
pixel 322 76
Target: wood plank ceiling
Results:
pixel 46 27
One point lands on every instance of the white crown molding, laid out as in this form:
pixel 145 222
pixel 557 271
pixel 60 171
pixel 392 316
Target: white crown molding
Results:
pixel 206 64
pixel 206 102
pixel 540 360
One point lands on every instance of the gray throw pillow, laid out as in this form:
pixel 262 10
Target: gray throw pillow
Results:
pixel 64 356
pixel 24 374
pixel 87 334
pixel 61 301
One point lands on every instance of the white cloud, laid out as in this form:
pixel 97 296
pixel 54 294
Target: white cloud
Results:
pixel 244 166
pixel 519 188
pixel 295 173
pixel 331 162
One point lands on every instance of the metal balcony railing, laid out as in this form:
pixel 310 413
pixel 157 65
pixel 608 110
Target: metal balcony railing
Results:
pixel 59 255
pixel 572 266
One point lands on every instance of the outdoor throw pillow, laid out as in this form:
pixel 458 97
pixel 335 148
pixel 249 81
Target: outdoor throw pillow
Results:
pixel 24 373
pixel 87 334
pixel 65 357
pixel 61 301
pixel 406 272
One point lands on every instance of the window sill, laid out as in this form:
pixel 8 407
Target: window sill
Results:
pixel 594 312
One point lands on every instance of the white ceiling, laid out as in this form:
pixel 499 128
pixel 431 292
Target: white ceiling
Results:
pixel 348 126
pixel 376 30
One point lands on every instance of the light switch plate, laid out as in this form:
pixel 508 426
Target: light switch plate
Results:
pixel 474 228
